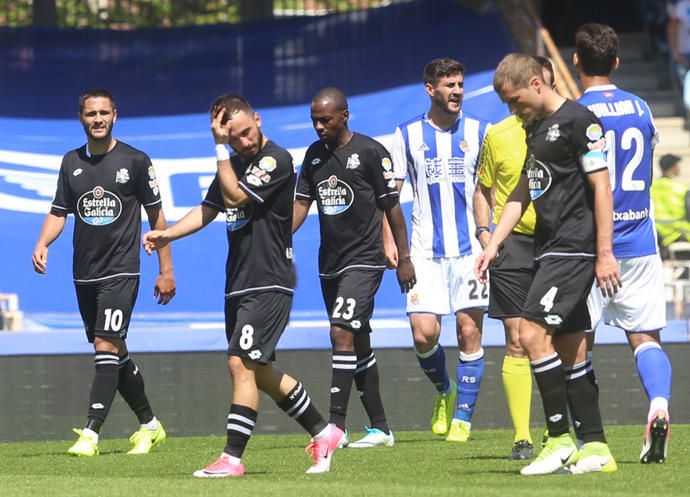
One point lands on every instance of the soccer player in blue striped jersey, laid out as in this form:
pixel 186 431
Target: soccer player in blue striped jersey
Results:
pixel 438 151
pixel 639 307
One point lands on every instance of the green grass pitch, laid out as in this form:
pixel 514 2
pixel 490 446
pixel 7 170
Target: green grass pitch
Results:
pixel 419 465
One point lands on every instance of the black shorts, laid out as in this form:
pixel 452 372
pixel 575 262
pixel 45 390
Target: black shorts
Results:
pixel 255 322
pixel 511 276
pixel 349 298
pixel 106 307
pixel 558 295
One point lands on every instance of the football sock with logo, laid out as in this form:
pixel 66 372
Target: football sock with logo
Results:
pixel 367 383
pixel 583 399
pixel 517 383
pixel 343 371
pixel 470 370
pixel 131 387
pixel 654 370
pixel 103 389
pixel 550 379
pixel 298 405
pixel 433 363
pixel 241 422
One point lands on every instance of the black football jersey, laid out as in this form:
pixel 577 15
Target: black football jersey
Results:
pixel 260 231
pixel 560 191
pixel 105 193
pixel 350 186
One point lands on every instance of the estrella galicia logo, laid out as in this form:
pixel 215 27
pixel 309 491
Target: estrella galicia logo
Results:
pixel 538 177
pixel 334 196
pixel 238 217
pixel 99 207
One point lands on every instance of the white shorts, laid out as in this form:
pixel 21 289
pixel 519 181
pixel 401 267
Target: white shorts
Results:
pixel 446 285
pixel 639 305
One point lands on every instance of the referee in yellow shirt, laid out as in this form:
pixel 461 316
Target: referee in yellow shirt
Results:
pixel 500 165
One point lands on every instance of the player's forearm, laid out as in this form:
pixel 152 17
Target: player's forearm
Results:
pixel 52 227
pixel 510 217
pixel 192 222
pixel 482 205
pixel 157 221
pixel 300 210
pixel 233 195
pixel 603 216
pixel 396 219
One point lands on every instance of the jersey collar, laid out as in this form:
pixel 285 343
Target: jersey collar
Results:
pixel 453 127
pixel 601 88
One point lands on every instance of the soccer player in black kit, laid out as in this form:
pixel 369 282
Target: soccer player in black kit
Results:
pixel 254 189
pixel 104 184
pixel 566 176
pixel 350 176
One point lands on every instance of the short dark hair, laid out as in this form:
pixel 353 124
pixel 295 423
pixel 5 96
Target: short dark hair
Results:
pixel 596 46
pixel 668 161
pixel 442 68
pixel 93 93
pixel 546 64
pixel 232 105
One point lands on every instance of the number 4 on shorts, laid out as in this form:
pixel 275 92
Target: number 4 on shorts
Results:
pixel 548 298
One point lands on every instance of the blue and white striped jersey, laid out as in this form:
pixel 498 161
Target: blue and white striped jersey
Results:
pixel 630 139
pixel 442 167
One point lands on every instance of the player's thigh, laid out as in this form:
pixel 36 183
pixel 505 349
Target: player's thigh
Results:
pixel 87 299
pixel 254 324
pixel 115 302
pixel 350 299
pixel 558 295
pixel 639 304
pixel 430 295
pixel 511 277
pixel 466 291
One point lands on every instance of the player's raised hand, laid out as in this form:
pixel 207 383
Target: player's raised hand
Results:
pixel 483 262
pixel 407 278
pixel 40 259
pixel 154 240
pixel 164 290
pixel 220 125
pixel 607 274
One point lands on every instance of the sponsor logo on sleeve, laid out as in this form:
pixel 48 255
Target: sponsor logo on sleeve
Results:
pixel 594 132
pixel 268 164
pixel 99 207
pixel 253 180
pixel 152 172
pixel 386 164
pixel 261 174
pixel 334 196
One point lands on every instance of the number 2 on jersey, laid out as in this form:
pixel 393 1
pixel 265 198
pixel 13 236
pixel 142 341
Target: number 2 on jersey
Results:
pixel 631 137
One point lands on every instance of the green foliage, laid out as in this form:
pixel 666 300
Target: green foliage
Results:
pixel 131 14
pixel 419 465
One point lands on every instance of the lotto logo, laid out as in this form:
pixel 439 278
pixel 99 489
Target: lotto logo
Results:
pixel 555 418
pixel 468 379
pixel 296 392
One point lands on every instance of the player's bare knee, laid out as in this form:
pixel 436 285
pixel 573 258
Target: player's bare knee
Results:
pixel 342 339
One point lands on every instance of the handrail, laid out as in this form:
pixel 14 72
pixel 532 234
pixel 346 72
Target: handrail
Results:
pixel 534 38
pixel 573 91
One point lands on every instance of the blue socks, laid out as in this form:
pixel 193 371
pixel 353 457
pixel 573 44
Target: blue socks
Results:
pixel 469 376
pixel 654 370
pixel 433 363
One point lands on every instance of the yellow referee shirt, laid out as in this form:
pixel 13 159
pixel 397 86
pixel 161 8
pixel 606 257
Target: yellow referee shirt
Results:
pixel 500 165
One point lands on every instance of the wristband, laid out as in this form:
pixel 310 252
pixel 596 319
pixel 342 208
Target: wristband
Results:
pixel 480 230
pixel 222 152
